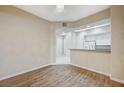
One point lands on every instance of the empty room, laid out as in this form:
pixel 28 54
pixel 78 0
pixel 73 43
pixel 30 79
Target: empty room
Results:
pixel 61 45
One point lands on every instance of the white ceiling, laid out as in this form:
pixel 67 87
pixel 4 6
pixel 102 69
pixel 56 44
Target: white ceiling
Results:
pixel 70 13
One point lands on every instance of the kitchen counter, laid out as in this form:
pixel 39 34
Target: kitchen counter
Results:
pixel 96 50
pixel 96 60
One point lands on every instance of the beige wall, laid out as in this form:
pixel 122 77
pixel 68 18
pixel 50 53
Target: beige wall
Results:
pixel 117 26
pixel 24 41
pixel 107 63
pixel 54 27
pixel 92 18
pixel 96 61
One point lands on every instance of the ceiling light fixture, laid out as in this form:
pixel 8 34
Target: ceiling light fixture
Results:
pixel 88 26
pixel 102 25
pixel 60 8
pixel 63 34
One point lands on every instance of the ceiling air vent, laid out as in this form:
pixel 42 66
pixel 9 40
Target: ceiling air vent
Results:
pixel 64 24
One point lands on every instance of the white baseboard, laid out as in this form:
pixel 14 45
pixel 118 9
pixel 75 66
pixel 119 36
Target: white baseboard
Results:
pixel 60 64
pixel 107 74
pixel 12 75
pixel 117 80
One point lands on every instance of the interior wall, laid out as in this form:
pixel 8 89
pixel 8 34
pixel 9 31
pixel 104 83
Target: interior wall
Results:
pixel 93 60
pixel 117 27
pixel 97 61
pixel 79 39
pixel 67 43
pixel 116 65
pixel 24 41
pixel 59 46
pixel 55 26
pixel 92 18
pixel 101 35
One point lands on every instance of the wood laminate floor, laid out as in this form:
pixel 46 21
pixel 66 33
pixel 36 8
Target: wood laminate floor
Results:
pixel 59 76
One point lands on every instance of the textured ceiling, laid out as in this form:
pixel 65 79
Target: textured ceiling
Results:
pixel 70 12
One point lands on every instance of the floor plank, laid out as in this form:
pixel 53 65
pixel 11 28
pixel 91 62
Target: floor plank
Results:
pixel 60 76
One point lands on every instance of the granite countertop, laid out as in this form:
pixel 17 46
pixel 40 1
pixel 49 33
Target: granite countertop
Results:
pixel 96 50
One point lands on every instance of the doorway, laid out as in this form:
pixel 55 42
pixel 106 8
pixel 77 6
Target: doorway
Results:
pixel 63 45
